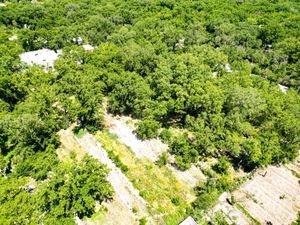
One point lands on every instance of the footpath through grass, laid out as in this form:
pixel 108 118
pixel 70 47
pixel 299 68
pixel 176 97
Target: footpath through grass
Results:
pixel 167 197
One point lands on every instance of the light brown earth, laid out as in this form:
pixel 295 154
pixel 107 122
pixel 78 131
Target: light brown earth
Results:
pixel 233 215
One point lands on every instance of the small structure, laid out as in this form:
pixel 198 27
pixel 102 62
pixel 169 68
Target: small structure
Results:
pixel 88 48
pixel 43 57
pixel 214 74
pixel 188 221
pixel 2 4
pixel 12 38
pixel 283 88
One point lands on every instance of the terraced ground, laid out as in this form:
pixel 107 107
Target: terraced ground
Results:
pixel 145 190
pixel 162 194
pixel 123 128
pixel 272 196
pixel 167 197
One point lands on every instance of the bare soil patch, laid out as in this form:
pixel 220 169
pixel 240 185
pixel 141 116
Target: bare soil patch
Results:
pixel 150 149
pixel 273 198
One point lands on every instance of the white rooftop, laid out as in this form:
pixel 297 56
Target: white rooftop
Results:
pixel 283 88
pixel 88 47
pixel 188 221
pixel 43 57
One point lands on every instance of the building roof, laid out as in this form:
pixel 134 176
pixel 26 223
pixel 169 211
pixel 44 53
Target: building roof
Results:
pixel 188 221
pixel 43 57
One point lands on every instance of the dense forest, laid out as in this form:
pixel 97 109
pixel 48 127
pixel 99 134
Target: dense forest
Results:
pixel 209 69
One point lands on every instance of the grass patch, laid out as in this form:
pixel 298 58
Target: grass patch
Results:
pixel 98 217
pixel 80 133
pixel 69 147
pixel 157 185
pixel 116 159
pixel 295 174
pixel 240 207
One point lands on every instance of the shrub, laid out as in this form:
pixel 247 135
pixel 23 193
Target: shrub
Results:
pixel 162 159
pixel 176 201
pixel 143 221
pixel 148 129
pixel 116 159
pixel 166 136
pixel 221 166
pixel 182 164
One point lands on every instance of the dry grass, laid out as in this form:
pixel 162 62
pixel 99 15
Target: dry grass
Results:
pixel 69 146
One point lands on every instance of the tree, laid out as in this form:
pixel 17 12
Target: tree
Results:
pixel 73 190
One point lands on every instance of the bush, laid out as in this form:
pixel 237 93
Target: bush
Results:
pixel 162 160
pixel 148 129
pixel 143 221
pixel 166 136
pixel 182 164
pixel 176 201
pixel 222 166
pixel 116 159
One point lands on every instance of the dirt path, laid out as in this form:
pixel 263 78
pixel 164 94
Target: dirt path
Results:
pixel 150 149
pixel 124 190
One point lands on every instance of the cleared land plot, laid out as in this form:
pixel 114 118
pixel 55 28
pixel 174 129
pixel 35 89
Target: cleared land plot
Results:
pixel 272 195
pixel 68 145
pixel 190 177
pixel 124 190
pixel 232 213
pixel 150 149
pixel 167 197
